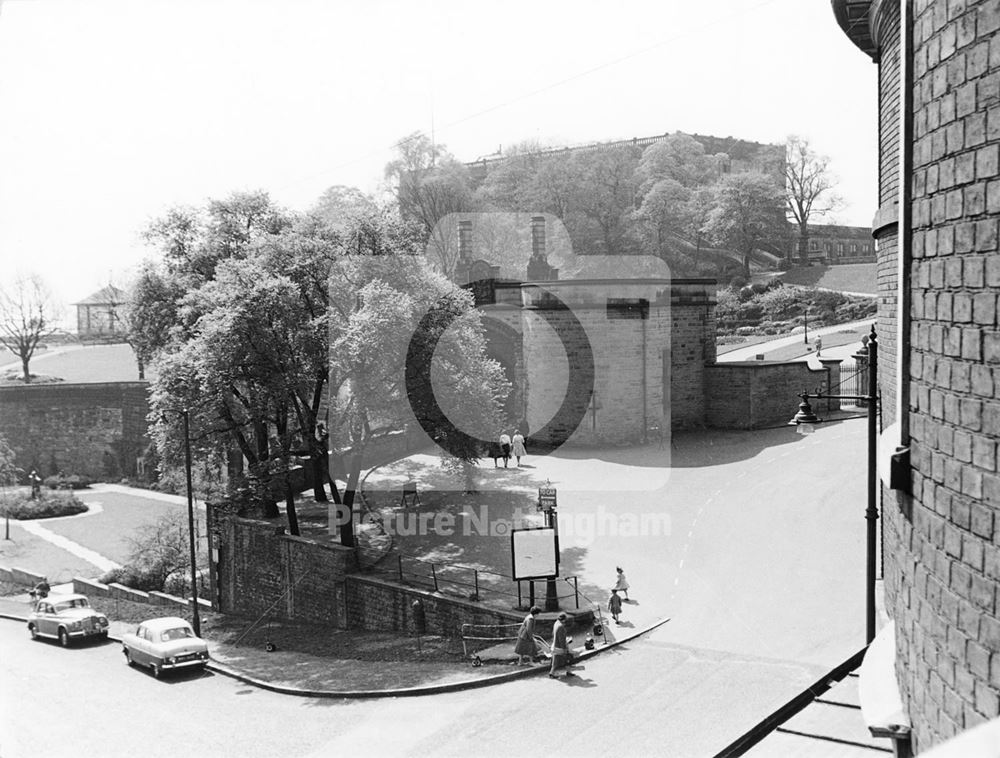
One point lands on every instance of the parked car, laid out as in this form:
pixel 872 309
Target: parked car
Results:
pixel 164 644
pixel 66 618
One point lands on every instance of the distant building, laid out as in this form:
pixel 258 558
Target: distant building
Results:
pixel 832 244
pixel 102 314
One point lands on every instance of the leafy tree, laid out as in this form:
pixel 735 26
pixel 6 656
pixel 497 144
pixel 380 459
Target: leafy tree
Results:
pixel 27 316
pixel 429 184
pixel 387 312
pixel 339 204
pixel 748 211
pixel 678 157
pixel 808 189
pixel 9 471
pixel 603 197
pixel 663 214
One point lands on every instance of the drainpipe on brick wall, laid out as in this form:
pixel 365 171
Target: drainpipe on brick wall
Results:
pixel 905 234
pixel 645 421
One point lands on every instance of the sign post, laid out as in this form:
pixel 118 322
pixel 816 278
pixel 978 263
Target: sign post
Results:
pixel 547 504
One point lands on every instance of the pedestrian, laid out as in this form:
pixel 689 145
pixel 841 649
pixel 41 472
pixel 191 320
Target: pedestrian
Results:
pixel 40 591
pixel 36 484
pixel 615 605
pixel 560 647
pixel 517 446
pixel 819 346
pixel 621 584
pixel 495 452
pixel 526 647
pixel 505 447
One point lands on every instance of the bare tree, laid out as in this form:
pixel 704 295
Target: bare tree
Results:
pixel 808 188
pixel 27 316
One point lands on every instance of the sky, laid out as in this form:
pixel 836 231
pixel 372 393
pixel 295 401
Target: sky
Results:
pixel 115 111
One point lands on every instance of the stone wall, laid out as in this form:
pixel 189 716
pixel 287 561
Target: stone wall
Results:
pixel 758 394
pixel 378 605
pixel 260 571
pixel 98 430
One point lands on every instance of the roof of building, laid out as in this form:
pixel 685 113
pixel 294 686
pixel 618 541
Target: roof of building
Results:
pixel 109 295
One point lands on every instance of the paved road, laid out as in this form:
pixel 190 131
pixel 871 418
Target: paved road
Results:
pixel 652 699
pixel 762 574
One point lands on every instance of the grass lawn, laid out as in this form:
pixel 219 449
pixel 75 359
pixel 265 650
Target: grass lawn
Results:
pixel 855 277
pixel 122 517
pixel 83 364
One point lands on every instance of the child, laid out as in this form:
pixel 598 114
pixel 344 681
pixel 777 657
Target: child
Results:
pixel 615 605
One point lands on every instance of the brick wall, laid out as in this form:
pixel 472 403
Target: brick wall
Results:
pixel 758 394
pixel 378 605
pixel 942 563
pixel 263 572
pixel 94 429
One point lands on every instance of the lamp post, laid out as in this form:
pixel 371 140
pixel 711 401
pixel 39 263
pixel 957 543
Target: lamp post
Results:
pixel 805 325
pixel 804 420
pixel 547 504
pixel 196 616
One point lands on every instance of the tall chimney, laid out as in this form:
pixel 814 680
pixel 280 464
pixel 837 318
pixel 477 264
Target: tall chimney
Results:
pixel 465 240
pixel 538 237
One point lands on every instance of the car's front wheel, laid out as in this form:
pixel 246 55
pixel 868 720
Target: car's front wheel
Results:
pixel 63 637
pixel 128 656
pixel 33 631
pixel 157 671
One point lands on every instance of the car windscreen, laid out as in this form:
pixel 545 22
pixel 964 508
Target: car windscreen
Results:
pixel 177 633
pixel 77 603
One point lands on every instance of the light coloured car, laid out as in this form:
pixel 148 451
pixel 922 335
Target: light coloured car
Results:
pixel 164 644
pixel 66 618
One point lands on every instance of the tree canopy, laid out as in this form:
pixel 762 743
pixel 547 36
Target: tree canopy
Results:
pixel 27 316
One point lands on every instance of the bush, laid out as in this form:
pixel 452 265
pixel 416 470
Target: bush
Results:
pixel 49 505
pixel 74 482
pixel 159 552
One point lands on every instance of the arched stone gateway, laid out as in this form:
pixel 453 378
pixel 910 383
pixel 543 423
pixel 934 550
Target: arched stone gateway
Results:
pixel 503 344
pixel 601 358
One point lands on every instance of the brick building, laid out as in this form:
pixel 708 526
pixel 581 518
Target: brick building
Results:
pixel 939 279
pixel 833 244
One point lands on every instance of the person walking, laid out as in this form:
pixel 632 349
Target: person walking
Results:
pixel 615 605
pixel 505 447
pixel 560 647
pixel 621 584
pixel 526 647
pixel 517 446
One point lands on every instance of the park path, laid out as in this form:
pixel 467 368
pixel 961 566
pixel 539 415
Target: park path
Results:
pixel 749 353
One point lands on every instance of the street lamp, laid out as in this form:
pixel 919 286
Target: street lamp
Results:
pixel 190 498
pixel 804 421
pixel 805 326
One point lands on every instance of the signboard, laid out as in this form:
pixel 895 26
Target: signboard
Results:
pixel 533 553
pixel 546 498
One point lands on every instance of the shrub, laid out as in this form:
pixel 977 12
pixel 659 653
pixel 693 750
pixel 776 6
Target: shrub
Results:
pixel 74 482
pixel 21 507
pixel 159 551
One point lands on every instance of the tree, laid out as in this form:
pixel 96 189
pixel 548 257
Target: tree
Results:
pixel 748 211
pixel 429 184
pixel 27 316
pixel 168 305
pixel 390 312
pixel 678 157
pixel 603 197
pixel 9 471
pixel 808 189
